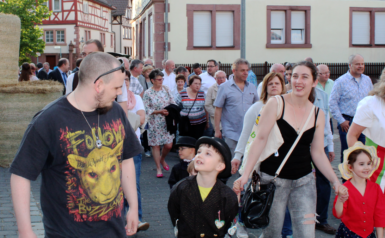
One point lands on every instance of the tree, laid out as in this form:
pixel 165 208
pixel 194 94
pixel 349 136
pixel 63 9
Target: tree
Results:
pixel 31 14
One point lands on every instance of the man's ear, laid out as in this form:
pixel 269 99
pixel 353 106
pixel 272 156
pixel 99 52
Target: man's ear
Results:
pixel 99 85
pixel 220 167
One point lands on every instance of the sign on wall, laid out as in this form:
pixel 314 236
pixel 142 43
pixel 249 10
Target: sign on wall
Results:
pixel 138 6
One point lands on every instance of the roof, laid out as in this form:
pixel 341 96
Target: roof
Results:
pixel 120 6
pixel 103 2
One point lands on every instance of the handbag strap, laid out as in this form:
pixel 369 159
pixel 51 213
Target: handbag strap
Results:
pixel 294 145
pixel 193 103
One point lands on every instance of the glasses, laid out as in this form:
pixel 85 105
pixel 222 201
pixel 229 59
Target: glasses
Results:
pixel 121 67
pixel 326 73
pixel 210 66
pixel 159 79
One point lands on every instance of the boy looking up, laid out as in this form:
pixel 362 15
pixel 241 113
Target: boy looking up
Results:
pixel 201 205
pixel 186 145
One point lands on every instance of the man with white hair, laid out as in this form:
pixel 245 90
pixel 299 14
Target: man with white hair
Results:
pixel 164 63
pixel 347 91
pixel 149 62
pixel 169 75
pixel 276 68
pixel 220 77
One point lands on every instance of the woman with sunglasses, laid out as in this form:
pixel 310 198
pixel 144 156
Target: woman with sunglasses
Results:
pixel 155 100
pixel 26 73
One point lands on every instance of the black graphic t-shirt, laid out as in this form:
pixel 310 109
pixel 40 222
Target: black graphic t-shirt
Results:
pixel 81 192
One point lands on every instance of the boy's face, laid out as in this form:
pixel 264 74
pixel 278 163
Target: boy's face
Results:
pixel 186 152
pixel 207 160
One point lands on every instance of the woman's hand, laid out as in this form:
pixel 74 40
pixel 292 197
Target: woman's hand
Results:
pixel 239 184
pixel 165 112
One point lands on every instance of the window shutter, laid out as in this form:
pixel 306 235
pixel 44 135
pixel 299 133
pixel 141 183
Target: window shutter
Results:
pixel 202 28
pixel 361 28
pixel 144 39
pixel 298 27
pixel 379 28
pixel 278 27
pixel 224 29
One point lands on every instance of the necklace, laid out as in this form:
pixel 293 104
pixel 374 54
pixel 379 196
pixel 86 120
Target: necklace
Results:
pixel 295 116
pixel 98 141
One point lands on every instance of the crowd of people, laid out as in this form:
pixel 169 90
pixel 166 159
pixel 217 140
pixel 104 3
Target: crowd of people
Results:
pixel 115 109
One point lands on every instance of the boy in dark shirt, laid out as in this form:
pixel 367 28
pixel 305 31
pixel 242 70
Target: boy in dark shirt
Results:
pixel 186 147
pixel 202 205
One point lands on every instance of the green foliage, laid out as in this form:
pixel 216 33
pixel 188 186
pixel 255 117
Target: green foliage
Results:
pixel 31 14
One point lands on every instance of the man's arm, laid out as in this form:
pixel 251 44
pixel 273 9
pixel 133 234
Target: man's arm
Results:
pixel 217 118
pixel 209 104
pixel 129 189
pixel 21 189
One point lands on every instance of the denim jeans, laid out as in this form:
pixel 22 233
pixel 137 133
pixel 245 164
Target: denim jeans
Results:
pixel 344 143
pixel 323 194
pixel 287 229
pixel 209 131
pixel 300 197
pixel 138 165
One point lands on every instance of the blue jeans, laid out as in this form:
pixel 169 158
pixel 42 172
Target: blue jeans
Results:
pixel 323 194
pixel 287 229
pixel 344 143
pixel 138 165
pixel 209 131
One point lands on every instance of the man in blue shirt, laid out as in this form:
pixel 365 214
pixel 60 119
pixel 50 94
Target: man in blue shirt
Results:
pixel 347 91
pixel 234 97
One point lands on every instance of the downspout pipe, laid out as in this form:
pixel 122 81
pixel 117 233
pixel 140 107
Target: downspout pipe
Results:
pixel 166 30
pixel 243 29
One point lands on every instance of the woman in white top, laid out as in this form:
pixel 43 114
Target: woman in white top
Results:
pixel 370 120
pixel 26 73
pixel 273 84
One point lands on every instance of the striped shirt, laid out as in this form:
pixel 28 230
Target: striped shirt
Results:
pixel 197 114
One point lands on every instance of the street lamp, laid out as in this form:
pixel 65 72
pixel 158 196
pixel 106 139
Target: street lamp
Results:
pixel 82 40
pixel 58 47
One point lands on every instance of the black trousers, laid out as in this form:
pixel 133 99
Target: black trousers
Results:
pixel 195 131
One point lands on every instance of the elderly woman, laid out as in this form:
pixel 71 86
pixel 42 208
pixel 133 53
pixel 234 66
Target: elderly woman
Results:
pixel 193 101
pixel 370 120
pixel 155 100
pixel 144 79
pixel 180 80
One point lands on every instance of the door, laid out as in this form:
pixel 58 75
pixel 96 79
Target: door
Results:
pixel 51 59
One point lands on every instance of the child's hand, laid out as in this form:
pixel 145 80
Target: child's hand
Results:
pixel 343 194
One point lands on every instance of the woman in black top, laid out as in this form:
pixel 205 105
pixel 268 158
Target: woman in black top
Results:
pixel 295 185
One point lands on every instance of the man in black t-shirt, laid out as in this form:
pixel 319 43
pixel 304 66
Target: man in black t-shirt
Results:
pixel 82 144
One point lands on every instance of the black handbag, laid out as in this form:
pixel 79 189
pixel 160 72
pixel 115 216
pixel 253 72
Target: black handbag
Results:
pixel 185 124
pixel 258 197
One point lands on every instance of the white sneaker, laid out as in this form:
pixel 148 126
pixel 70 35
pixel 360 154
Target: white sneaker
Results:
pixel 148 154
pixel 241 231
pixel 143 226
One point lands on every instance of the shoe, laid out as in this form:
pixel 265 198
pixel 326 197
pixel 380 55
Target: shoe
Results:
pixel 143 226
pixel 147 154
pixel 159 175
pixel 166 167
pixel 326 228
pixel 241 231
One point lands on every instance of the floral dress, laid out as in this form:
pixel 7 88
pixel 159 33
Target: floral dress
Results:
pixel 157 128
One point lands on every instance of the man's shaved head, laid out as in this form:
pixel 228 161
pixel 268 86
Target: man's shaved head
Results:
pixel 309 59
pixel 126 62
pixel 278 68
pixel 96 64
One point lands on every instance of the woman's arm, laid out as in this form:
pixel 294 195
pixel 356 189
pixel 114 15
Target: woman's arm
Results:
pixel 142 115
pixel 318 153
pixel 354 132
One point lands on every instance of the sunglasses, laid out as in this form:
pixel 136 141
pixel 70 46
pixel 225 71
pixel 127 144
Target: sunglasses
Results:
pixel 121 67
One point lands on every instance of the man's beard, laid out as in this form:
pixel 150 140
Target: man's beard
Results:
pixel 102 109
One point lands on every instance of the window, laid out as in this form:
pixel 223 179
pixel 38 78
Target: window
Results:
pixel 87 34
pixel 225 29
pixel 288 27
pixel 103 38
pixel 46 4
pixel 60 37
pixel 49 36
pixel 144 38
pixel 85 7
pixel 150 38
pixel 213 26
pixel 101 12
pixel 367 27
pixel 128 13
pixel 56 5
pixel 129 33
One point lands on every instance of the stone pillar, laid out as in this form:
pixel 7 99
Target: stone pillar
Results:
pixel 9 47
pixel 71 55
pixel 158 33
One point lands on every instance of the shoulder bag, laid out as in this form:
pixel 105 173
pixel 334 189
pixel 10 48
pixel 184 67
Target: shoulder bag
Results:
pixel 258 197
pixel 185 125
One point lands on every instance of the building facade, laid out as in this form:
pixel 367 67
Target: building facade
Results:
pixel 121 26
pixel 276 30
pixel 71 24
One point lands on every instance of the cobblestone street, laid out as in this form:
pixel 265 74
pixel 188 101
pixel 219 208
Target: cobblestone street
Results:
pixel 155 193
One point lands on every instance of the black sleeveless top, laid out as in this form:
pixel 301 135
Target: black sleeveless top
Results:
pixel 299 162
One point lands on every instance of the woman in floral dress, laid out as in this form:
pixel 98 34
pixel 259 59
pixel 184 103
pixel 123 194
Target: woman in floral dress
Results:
pixel 155 100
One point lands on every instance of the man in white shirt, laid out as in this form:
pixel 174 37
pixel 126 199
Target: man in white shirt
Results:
pixel 208 78
pixel 169 75
pixel 89 47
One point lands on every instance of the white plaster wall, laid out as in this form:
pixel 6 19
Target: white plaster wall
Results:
pixel 329 32
pixel 69 34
